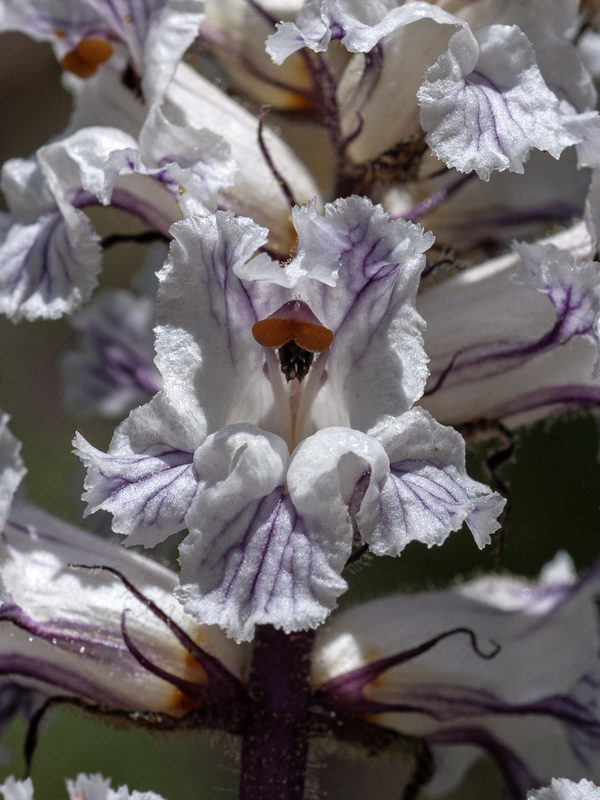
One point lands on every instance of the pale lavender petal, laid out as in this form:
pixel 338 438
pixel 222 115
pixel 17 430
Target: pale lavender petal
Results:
pixel 209 353
pixel 84 787
pixel 145 480
pixel 549 27
pixel 17 790
pixel 335 476
pixel 49 267
pixel 359 27
pixel 11 467
pixel 483 112
pixel 174 25
pixel 249 558
pixel 312 30
pixel 112 370
pixel 371 309
pixel 196 161
pixel 563 789
pixel 428 493
pixel 64 623
pixel 259 568
pixel 95 787
pixel 542 362
pixel 572 286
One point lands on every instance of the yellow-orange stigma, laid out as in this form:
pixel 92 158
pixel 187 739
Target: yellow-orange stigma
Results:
pixel 85 59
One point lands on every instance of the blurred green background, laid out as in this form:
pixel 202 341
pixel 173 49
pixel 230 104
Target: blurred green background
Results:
pixel 554 482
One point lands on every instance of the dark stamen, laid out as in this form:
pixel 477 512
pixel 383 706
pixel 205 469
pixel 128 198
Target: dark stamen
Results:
pixel 295 361
pixel 285 187
pixel 131 80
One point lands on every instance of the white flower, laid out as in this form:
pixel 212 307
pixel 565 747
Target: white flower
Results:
pixel 563 789
pixel 485 102
pixel 84 787
pixel 499 665
pixel 516 338
pixel 49 251
pixel 155 34
pixel 84 617
pixel 276 463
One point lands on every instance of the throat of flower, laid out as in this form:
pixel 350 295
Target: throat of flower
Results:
pixel 295 361
pixel 296 335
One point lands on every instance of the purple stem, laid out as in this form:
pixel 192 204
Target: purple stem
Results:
pixel 285 187
pixel 275 746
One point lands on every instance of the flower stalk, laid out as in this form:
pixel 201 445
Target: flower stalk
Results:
pixel 275 744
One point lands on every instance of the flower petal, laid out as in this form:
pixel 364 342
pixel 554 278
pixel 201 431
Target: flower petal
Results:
pixel 563 789
pixel 95 787
pixel 484 112
pixel 359 26
pixel 536 714
pixel 540 363
pixel 49 266
pixel 11 467
pixel 333 473
pixel 146 480
pixel 67 634
pixel 249 558
pixel 84 787
pixel 112 370
pixel 428 493
pixel 371 309
pixel 205 349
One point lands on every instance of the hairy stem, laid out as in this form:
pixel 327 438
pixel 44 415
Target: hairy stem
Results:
pixel 275 743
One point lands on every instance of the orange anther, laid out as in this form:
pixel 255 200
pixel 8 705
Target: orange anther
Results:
pixel 96 51
pixel 86 57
